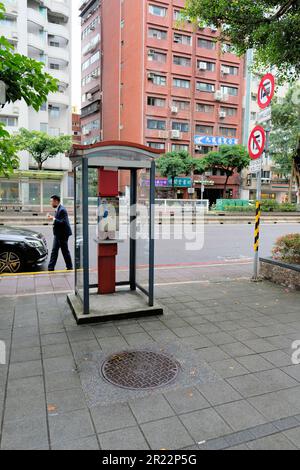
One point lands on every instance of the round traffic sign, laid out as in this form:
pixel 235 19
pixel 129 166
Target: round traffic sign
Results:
pixel 266 90
pixel 257 141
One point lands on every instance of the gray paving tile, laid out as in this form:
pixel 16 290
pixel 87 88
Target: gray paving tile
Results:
pixel 276 378
pixel 151 408
pixel 274 442
pixel 24 406
pixel 112 417
pixel 26 434
pixel 205 424
pixel 260 345
pixel 25 369
pixel 286 423
pixel 238 438
pixel 237 349
pixel 272 406
pixel 138 339
pixel 229 368
pixel 294 436
pixel 293 371
pixel 85 443
pixel 219 393
pixel 132 439
pixel 255 363
pixel 62 381
pixel 59 364
pixel 240 415
pixel 159 436
pixel 55 338
pixel 56 350
pixel 250 386
pixel 116 342
pixel 69 426
pixel 220 339
pixel 263 430
pixel 186 400
pixel 63 401
pixel 27 385
pixel 213 354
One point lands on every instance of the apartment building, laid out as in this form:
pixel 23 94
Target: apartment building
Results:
pixel 76 126
pixel 148 77
pixel 40 29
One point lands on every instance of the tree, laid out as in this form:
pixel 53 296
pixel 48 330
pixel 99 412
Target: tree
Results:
pixel 285 134
pixel 42 146
pixel 270 27
pixel 25 79
pixel 8 157
pixel 230 159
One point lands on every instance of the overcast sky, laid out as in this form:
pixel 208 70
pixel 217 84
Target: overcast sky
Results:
pixel 76 55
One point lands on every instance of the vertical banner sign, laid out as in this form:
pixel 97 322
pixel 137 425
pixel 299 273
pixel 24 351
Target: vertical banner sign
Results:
pixel 259 144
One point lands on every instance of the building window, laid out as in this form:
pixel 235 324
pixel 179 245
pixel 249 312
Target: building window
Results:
pixel 204 108
pixel 9 121
pixel 229 111
pixel 229 70
pixel 183 61
pixel 206 66
pixel 159 80
pixel 227 49
pixel 206 87
pixel 159 102
pixel 44 127
pixel 206 44
pixel 204 130
pixel 180 148
pixel 183 39
pixel 54 111
pixel 158 11
pixel 179 83
pixel 157 145
pixel 180 126
pixel 155 124
pixel 228 132
pixel 181 105
pixel 54 66
pixel 204 149
pixel 229 90
pixel 157 33
pixel 155 56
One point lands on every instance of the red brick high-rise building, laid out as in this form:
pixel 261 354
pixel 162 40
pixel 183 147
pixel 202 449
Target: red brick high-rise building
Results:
pixel 148 78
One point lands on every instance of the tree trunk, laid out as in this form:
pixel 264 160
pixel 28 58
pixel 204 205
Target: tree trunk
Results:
pixel 173 187
pixel 291 185
pixel 40 166
pixel 225 186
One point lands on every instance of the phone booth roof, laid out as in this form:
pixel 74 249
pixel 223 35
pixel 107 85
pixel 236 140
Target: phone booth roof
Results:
pixel 115 154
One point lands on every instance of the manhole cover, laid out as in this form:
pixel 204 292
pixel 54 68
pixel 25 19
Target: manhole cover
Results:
pixel 140 370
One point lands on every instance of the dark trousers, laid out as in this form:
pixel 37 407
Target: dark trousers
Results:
pixel 60 243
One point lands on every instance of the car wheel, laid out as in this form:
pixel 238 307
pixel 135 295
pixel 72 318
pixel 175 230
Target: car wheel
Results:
pixel 10 262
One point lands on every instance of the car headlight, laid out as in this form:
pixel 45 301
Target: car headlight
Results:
pixel 35 243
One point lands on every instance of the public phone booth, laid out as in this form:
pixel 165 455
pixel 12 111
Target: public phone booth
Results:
pixel 114 218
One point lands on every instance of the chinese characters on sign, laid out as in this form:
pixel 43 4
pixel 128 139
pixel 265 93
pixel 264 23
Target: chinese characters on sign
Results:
pixel 211 140
pixel 167 182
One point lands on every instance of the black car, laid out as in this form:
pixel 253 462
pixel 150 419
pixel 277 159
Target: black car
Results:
pixel 21 249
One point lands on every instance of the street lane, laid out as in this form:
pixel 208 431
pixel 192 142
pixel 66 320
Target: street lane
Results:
pixel 222 243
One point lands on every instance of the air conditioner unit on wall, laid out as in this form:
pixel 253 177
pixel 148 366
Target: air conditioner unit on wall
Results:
pixel 219 95
pixel 202 66
pixel 225 70
pixel 175 134
pixel 174 109
pixel 163 134
pixel 150 76
pixel 222 114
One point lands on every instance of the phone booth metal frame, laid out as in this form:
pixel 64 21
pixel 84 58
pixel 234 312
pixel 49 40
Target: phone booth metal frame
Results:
pixel 115 155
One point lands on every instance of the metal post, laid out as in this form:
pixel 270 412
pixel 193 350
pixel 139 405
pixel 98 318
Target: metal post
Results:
pixel 151 235
pixel 85 230
pixel 132 212
pixel 258 208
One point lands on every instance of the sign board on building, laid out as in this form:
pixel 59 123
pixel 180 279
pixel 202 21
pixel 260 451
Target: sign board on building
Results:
pixel 256 144
pixel 179 182
pixel 214 141
pixel 266 90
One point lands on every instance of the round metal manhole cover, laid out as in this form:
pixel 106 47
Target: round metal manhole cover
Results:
pixel 140 370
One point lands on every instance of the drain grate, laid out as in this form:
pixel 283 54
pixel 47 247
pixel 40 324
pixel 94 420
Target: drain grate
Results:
pixel 140 370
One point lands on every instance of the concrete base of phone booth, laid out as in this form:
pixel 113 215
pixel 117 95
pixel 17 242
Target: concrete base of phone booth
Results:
pixel 121 305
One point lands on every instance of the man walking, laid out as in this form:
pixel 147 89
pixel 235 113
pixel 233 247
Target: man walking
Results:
pixel 62 231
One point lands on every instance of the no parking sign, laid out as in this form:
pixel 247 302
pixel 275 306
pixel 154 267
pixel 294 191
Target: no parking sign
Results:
pixel 266 90
pixel 257 141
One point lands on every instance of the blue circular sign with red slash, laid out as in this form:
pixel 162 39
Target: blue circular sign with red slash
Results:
pixel 257 142
pixel 266 90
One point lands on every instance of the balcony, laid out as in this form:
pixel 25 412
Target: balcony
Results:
pixel 37 42
pixel 61 75
pixel 59 53
pixel 59 8
pixel 11 7
pixel 90 109
pixel 58 30
pixel 60 99
pixel 36 17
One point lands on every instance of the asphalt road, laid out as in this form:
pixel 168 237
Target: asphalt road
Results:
pixel 220 243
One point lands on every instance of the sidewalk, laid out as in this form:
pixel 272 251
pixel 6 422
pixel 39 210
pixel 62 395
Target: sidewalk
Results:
pixel 237 387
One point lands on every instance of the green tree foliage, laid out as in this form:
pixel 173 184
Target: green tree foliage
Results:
pixel 42 146
pixel 230 159
pixel 285 133
pixel 270 27
pixel 25 79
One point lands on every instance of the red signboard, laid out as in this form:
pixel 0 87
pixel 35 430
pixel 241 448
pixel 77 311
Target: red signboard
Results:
pixel 266 90
pixel 257 141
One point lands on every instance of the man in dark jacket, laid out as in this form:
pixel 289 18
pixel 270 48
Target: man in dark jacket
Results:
pixel 62 231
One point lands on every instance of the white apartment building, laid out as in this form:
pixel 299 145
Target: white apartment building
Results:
pixel 40 29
